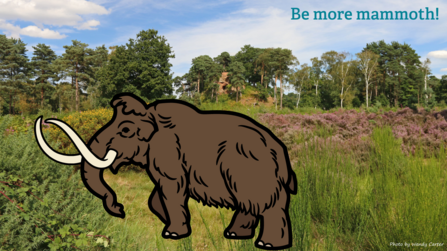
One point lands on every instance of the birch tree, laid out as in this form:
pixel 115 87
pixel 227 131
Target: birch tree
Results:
pixel 368 62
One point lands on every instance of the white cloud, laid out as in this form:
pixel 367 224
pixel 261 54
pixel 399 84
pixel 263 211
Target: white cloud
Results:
pixel 33 31
pixel 438 54
pixel 88 25
pixel 48 12
pixel 443 69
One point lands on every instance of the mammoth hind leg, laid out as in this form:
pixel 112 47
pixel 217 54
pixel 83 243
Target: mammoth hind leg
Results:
pixel 156 206
pixel 242 226
pixel 276 230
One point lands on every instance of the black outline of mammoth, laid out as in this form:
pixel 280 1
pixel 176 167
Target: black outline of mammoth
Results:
pixel 219 158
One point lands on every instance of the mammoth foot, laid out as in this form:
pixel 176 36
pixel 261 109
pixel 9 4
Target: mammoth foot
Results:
pixel 114 208
pixel 171 233
pixel 268 246
pixel 239 233
pixel 242 226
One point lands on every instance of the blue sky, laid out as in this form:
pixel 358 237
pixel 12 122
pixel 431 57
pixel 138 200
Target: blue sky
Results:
pixel 195 28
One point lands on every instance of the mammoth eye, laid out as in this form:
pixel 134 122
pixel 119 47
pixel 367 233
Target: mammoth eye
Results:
pixel 126 130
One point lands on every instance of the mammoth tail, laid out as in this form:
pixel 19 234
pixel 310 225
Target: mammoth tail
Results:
pixel 292 182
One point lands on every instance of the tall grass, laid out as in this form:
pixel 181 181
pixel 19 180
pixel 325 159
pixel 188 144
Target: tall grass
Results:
pixel 397 199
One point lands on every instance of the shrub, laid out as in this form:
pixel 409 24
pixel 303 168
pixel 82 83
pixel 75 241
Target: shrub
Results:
pixel 86 124
pixel 41 206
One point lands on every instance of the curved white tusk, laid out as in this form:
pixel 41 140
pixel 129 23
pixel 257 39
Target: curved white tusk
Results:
pixel 83 149
pixel 61 158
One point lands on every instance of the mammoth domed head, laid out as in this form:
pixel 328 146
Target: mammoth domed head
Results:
pixel 128 133
pixel 123 140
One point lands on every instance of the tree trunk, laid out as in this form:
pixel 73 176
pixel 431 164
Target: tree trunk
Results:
pixel 366 93
pixel 41 96
pixel 198 84
pixel 237 93
pixel 14 105
pixel 298 102
pixel 262 76
pixel 426 96
pixel 41 92
pixel 77 89
pixel 276 100
pixel 280 84
pixel 10 103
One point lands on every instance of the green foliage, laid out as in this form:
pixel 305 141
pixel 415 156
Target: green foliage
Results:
pixel 383 100
pixel 356 102
pixel 248 56
pixel 141 67
pixel 223 59
pixel 236 73
pixel 430 102
pixel 42 205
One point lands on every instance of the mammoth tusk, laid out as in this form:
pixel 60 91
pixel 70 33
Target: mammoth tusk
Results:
pixel 61 158
pixel 80 145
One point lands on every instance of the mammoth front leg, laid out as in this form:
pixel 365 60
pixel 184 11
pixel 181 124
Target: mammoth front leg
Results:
pixel 166 171
pixel 156 206
pixel 176 205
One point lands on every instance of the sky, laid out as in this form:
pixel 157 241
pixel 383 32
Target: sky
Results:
pixel 199 27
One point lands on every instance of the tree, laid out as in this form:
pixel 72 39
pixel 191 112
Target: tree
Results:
pixel 247 56
pixel 141 67
pixel 215 73
pixel 316 75
pixel 398 65
pixel 440 89
pixel 283 59
pixel 236 73
pixel 263 62
pixel 78 66
pixel 299 78
pixel 342 72
pixel 14 68
pixel 43 70
pixel 200 68
pixel 426 70
pixel 223 59
pixel 367 64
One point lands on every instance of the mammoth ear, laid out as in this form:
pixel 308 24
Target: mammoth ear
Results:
pixel 131 104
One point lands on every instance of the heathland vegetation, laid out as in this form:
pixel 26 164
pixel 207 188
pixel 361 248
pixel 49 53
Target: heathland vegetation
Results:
pixel 368 152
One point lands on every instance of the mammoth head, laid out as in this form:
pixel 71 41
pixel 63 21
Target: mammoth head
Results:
pixel 123 140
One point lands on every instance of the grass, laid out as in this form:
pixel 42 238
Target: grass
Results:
pixel 338 206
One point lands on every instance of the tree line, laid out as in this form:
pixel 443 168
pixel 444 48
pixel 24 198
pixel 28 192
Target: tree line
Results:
pixel 381 74
pixel 84 78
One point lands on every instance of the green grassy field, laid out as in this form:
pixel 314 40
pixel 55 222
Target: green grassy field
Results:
pixel 344 201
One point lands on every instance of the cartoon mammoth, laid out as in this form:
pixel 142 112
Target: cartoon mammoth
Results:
pixel 219 158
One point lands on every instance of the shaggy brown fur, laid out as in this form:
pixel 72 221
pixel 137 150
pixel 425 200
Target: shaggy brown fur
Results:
pixel 218 158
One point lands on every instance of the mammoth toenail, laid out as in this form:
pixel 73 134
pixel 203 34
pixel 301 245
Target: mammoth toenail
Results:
pixel 233 234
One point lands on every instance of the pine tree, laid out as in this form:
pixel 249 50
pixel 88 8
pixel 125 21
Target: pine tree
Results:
pixel 42 68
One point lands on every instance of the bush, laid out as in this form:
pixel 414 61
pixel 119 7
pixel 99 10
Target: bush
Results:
pixel 41 206
pixel 86 124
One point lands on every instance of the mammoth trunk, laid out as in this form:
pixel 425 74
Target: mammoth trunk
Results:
pixel 94 181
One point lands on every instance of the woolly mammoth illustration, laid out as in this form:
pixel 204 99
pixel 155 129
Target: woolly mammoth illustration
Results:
pixel 219 158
